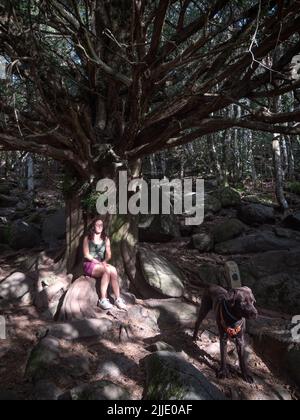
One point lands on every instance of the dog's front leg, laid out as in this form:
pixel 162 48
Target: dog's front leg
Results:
pixel 223 372
pixel 240 345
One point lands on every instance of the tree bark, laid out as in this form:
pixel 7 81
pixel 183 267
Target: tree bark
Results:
pixel 122 231
pixel 279 175
pixel 277 157
pixel 75 227
pixel 30 173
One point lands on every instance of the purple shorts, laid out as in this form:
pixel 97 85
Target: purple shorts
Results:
pixel 88 267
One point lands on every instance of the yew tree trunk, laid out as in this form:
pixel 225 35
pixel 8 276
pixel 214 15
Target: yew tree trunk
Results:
pixel 75 228
pixel 122 230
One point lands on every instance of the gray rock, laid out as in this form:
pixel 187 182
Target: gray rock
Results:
pixel 161 274
pixel 7 201
pixel 158 228
pixel 255 199
pixel 274 278
pixel 210 274
pixel 16 286
pixel 4 248
pixel 4 234
pixel 81 329
pixel 204 242
pixel 5 188
pixel 228 230
pixel 228 197
pixel 171 377
pixel 115 367
pixel 42 360
pixel 286 233
pixel 22 205
pixel 77 366
pixel 172 312
pixel 51 294
pixel 147 319
pixel 7 212
pixel 24 235
pixel 50 361
pixel 100 391
pixel 274 341
pixel 292 362
pixel 46 391
pixel 256 214
pixel 212 204
pixel 210 184
pixel 255 243
pixel 54 227
pixel 6 395
pixel 160 346
pixel 293 221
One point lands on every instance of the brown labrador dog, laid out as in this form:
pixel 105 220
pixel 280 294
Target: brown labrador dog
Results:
pixel 231 309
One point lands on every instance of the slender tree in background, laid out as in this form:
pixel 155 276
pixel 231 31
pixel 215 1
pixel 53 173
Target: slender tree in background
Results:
pixel 100 84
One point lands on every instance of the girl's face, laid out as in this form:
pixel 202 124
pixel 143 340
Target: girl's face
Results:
pixel 98 227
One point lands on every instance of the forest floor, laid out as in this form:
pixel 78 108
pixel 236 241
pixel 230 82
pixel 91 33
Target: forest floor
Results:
pixel 24 324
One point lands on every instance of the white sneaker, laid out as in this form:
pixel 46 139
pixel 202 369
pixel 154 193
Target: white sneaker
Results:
pixel 105 304
pixel 120 304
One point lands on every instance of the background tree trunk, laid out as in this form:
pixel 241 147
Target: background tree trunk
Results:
pixel 279 174
pixel 278 166
pixel 30 173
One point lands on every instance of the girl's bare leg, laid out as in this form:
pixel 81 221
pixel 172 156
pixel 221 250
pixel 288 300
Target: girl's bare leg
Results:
pixel 101 272
pixel 114 280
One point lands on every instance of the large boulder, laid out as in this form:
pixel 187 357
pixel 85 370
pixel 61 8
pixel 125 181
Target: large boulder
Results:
pixel 43 357
pixel 24 235
pixel 161 274
pixel 86 328
pixel 100 391
pixel 256 214
pixel 204 242
pixel 256 243
pixel 115 366
pixel 293 221
pixel 212 204
pixel 171 377
pixel 54 227
pixel 210 274
pixel 172 312
pixel 49 298
pixel 8 212
pixel 7 201
pixel 275 341
pixel 228 197
pixel 227 230
pixel 16 287
pixel 5 188
pixel 158 228
pixel 274 278
pixel 50 361
pixel 4 233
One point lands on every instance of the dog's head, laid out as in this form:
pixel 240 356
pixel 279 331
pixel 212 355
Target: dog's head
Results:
pixel 242 303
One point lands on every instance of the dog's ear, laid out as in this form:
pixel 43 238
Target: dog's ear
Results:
pixel 231 297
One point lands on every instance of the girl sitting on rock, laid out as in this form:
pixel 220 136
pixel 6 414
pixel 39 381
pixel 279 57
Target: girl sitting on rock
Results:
pixel 97 253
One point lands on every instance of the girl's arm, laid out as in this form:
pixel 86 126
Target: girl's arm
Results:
pixel 86 251
pixel 108 250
